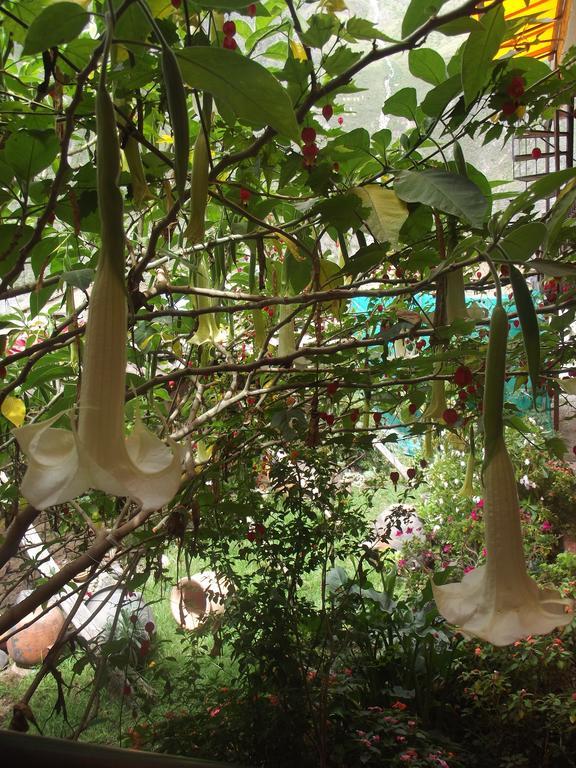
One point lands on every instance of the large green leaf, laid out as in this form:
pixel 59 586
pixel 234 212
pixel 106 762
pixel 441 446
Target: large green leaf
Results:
pixel 427 65
pixel 28 152
pixel 403 103
pixel 387 212
pixel 479 50
pixel 247 88
pixel 542 188
pixel 522 242
pixel 448 192
pixel 418 13
pixel 55 25
pixel 438 98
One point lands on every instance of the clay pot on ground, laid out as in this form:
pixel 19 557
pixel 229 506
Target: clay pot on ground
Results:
pixel 194 598
pixel 30 646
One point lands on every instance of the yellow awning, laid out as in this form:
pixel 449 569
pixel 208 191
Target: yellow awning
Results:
pixel 541 34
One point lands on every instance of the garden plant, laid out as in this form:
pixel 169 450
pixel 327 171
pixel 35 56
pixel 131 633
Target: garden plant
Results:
pixel 220 289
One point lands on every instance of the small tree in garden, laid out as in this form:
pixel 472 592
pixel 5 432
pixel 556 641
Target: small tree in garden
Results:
pixel 210 283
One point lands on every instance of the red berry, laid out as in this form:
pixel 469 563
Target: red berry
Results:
pixel 380 308
pixel 251 535
pixel 133 618
pixel 462 376
pixel 229 28
pixel 478 275
pixel 508 108
pixel 354 415
pixel 516 323
pixel 394 476
pixel 377 417
pixel 462 394
pixel 411 472
pixel 423 463
pixel 245 195
pixel 230 43
pixel 176 3
pixel 149 627
pixel 308 135
pixel 399 273
pixel 471 389
pixel 260 530
pixel 340 120
pixel 450 416
pixel 127 690
pixel 310 150
pixel 329 418
pixel 412 408
pixel 251 9
pixel 332 388
pixel 327 111
pixel 536 153
pixel 516 87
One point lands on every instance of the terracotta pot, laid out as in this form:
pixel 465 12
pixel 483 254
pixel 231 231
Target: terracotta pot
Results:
pixel 30 646
pixel 191 600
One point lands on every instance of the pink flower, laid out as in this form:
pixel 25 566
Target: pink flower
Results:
pixel 409 530
pixel 398 532
pixel 468 568
pixel 484 551
pixel 215 711
pixel 447 548
pixel 474 514
pixel 480 503
pixel 401 562
pixel 546 526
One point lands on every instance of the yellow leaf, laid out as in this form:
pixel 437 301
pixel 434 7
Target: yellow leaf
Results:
pixel 292 247
pixel 160 8
pixel 334 6
pixel 298 50
pixel 14 410
pixel 387 211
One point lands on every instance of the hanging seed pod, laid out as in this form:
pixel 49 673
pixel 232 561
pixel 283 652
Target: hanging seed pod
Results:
pixel 178 111
pixel 196 230
pixel 437 405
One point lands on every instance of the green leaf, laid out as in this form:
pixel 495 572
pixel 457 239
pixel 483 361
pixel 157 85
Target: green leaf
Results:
pixel 55 25
pixel 542 188
pixel 556 446
pixel 459 26
pixel 362 29
pixel 436 100
pixel 479 50
pixel 341 60
pixel 79 278
pixel 529 324
pixel 321 27
pixel 553 268
pixel 520 243
pixel 251 92
pixel 448 192
pixel 418 13
pixel 427 65
pixel 365 259
pixel 403 103
pixel 341 211
pixel 221 5
pixel 29 151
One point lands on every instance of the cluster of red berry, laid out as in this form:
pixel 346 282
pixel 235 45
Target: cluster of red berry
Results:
pixel 229 29
pixel 511 107
pixel 310 148
pixel 553 288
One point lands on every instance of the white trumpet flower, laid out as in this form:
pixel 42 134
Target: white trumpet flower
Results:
pixel 499 602
pixel 96 454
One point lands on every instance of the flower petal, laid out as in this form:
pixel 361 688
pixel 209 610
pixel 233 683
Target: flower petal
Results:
pixel 54 474
pixel 503 618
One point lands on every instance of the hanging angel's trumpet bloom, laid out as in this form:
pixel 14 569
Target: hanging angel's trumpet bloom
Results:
pixel 499 602
pixel 208 330
pixel 64 464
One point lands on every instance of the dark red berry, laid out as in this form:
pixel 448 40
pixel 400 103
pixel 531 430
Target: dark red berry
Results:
pixel 176 3
pixel 462 376
pixel 230 43
pixel 354 415
pixel 394 476
pixel 450 416
pixel 251 9
pixel 411 472
pixel 536 153
pixel 516 87
pixel 412 408
pixel 327 111
pixel 229 28
pixel 423 463
pixel 377 416
pixel 308 135
pixel 310 150
pixel 332 388
pixel 149 627
pixel 245 195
